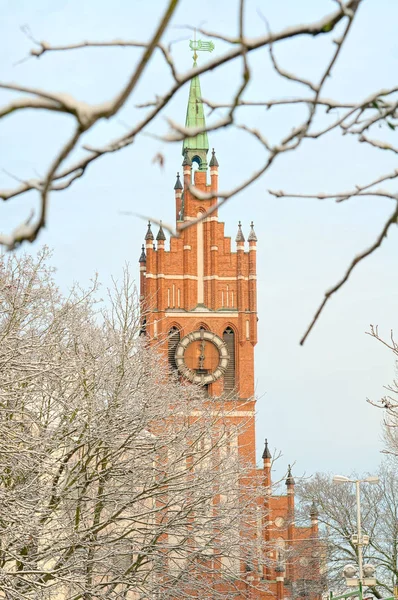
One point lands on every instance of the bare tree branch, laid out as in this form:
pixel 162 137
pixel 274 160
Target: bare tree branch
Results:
pixel 88 115
pixel 114 477
pixel 356 118
pixel 391 221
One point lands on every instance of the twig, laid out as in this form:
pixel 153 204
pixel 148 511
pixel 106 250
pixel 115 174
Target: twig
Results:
pixel 392 220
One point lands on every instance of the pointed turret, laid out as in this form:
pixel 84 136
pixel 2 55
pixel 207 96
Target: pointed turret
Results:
pixel 142 258
pixel 290 520
pixel 149 265
pixel 266 454
pixel 178 184
pixel 160 259
pixel 213 160
pixel 160 236
pixel 214 175
pixel 197 146
pixel 314 513
pixel 178 198
pixel 252 239
pixel 142 261
pixel 267 483
pixel 267 466
pixel 289 479
pixel 149 234
pixel 240 238
pixel 252 235
pixel 187 168
pixel 241 273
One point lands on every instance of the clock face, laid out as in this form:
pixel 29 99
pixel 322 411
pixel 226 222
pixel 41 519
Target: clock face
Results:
pixel 279 521
pixel 202 357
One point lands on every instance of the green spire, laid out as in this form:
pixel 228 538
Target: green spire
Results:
pixel 197 147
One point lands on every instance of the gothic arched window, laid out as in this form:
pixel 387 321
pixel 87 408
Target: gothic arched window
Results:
pixel 174 338
pixel 281 551
pixel 229 377
pixel 143 327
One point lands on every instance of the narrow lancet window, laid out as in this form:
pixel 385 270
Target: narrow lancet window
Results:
pixel 229 377
pixel 174 338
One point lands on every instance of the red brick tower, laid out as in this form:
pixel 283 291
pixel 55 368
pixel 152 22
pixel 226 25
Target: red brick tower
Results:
pixel 200 295
pixel 200 302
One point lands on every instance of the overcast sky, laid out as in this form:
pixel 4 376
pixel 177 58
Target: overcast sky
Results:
pixel 312 399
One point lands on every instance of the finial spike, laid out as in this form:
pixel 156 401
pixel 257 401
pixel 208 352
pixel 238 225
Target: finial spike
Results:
pixel 239 236
pixel 266 453
pixel 289 478
pixel 213 160
pixel 252 235
pixel 314 512
pixel 142 258
pixel 149 234
pixel 178 184
pixel 160 236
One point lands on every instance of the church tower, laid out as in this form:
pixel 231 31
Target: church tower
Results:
pixel 199 306
pixel 200 296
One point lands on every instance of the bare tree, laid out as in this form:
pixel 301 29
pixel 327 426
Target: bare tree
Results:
pixel 389 402
pixel 116 481
pixel 337 518
pixel 359 118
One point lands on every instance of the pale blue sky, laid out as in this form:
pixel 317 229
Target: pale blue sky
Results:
pixel 312 400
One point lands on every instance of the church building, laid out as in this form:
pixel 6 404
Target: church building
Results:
pixel 200 299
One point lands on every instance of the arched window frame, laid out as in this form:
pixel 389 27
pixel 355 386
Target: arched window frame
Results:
pixel 229 338
pixel 174 337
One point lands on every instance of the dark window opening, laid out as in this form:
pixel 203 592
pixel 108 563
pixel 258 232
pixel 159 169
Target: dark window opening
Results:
pixel 229 376
pixel 143 327
pixel 196 159
pixel 174 339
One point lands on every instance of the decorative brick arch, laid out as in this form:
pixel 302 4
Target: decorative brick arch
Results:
pixel 174 325
pixel 231 326
pixel 202 325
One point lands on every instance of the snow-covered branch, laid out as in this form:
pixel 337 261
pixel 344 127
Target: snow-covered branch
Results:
pixel 357 118
pixel 114 477
pixel 87 115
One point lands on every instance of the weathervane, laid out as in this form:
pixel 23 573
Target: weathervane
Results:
pixel 200 46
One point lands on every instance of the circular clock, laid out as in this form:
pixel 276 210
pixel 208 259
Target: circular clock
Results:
pixel 279 521
pixel 202 357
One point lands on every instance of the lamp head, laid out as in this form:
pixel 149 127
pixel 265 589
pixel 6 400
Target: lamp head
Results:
pixel 341 479
pixel 349 571
pixel 369 570
pixel 372 479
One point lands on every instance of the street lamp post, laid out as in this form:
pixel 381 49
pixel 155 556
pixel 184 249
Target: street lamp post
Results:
pixel 359 540
pixel 359 531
